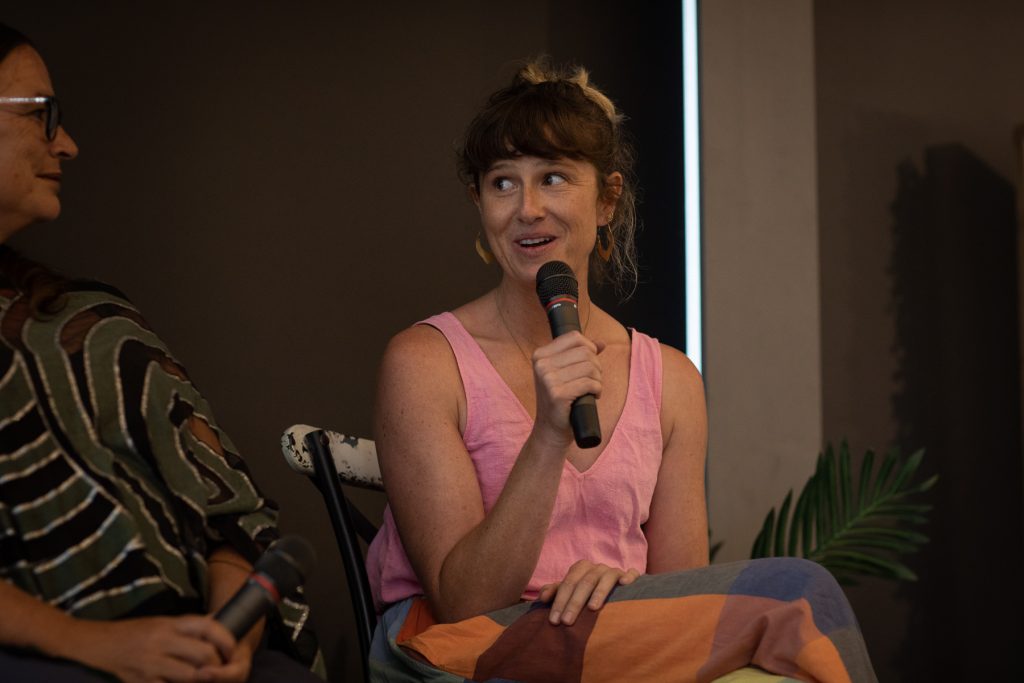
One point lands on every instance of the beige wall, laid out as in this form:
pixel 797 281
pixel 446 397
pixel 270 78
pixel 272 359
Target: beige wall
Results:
pixel 762 334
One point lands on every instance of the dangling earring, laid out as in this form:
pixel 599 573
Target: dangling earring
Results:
pixel 485 254
pixel 605 244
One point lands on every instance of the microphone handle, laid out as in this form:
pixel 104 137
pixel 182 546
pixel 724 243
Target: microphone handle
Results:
pixel 245 608
pixel 564 318
pixel 586 427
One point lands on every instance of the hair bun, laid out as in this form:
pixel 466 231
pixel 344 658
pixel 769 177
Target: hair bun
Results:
pixel 538 71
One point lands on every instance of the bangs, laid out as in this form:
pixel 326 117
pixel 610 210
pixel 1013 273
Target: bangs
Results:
pixel 547 120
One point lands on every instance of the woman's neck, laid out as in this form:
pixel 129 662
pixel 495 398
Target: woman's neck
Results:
pixel 523 317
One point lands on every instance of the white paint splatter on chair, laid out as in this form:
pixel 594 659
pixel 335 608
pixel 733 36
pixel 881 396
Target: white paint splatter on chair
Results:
pixel 354 458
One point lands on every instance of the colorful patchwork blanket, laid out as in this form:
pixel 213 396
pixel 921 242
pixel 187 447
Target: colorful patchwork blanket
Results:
pixel 762 620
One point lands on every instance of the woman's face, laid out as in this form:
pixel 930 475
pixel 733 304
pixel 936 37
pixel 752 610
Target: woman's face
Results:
pixel 30 173
pixel 537 210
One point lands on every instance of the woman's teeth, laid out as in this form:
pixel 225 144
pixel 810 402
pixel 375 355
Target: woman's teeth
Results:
pixel 534 241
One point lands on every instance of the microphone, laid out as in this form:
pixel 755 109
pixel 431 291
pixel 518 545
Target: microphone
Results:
pixel 280 570
pixel 559 293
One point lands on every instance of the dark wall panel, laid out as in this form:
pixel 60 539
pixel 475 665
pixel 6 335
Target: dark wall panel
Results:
pixel 635 54
pixel 273 184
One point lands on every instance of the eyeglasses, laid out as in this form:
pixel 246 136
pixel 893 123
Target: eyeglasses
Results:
pixel 52 111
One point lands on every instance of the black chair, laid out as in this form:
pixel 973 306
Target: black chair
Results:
pixel 330 459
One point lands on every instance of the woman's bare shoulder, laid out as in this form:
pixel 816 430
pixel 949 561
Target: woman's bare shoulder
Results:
pixel 419 338
pixel 679 371
pixel 682 389
pixel 418 353
pixel 419 393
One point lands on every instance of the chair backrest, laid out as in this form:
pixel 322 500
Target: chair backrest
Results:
pixel 330 459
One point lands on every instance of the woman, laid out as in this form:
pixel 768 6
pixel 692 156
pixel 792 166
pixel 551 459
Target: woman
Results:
pixel 126 515
pixel 492 503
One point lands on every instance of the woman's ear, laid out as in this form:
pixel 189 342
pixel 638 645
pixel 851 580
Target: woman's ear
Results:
pixel 613 184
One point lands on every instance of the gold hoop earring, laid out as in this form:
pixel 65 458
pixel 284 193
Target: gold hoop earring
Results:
pixel 483 252
pixel 605 243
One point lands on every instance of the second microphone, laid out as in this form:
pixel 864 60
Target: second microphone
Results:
pixel 559 294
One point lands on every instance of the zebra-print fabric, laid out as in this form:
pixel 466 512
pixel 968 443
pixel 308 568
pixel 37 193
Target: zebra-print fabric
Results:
pixel 115 481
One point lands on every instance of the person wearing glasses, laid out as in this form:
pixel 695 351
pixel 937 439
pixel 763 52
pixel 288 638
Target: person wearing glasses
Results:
pixel 126 515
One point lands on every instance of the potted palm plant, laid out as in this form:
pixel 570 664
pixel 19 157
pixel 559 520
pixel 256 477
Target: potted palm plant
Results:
pixel 853 528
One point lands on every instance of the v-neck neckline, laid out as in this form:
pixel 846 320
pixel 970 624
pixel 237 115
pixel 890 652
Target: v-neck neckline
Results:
pixel 630 390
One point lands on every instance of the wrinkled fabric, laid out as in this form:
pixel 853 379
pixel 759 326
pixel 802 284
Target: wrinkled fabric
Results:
pixel 746 621
pixel 115 481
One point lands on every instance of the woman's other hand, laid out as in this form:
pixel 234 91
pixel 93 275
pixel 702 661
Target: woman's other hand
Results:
pixel 585 585
pixel 564 370
pixel 185 648
pixel 234 670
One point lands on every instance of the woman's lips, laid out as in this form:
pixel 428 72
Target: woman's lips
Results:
pixel 534 243
pixel 51 176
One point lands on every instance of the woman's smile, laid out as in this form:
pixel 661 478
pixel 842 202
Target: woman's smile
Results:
pixel 536 244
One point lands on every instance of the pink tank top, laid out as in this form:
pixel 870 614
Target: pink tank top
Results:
pixel 598 513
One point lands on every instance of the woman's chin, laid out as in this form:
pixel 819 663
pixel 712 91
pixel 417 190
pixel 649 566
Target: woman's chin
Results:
pixel 46 211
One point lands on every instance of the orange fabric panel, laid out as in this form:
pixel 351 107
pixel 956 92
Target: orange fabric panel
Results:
pixel 455 647
pixel 634 628
pixel 822 655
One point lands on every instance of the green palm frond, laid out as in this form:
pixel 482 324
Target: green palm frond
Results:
pixel 851 531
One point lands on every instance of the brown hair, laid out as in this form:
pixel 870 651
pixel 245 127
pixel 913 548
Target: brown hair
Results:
pixel 42 287
pixel 553 113
pixel 9 39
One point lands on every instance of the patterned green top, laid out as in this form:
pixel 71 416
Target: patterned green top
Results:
pixel 115 481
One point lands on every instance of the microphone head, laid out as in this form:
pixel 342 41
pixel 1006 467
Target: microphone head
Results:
pixel 287 563
pixel 556 279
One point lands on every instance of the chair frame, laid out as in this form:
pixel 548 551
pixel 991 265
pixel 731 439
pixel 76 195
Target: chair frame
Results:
pixel 349 525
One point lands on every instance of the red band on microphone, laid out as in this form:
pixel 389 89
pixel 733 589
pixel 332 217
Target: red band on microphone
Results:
pixel 267 585
pixel 560 300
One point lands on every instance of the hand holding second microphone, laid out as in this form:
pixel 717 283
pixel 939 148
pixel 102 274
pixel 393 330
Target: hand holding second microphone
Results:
pixel 558 292
pixel 279 571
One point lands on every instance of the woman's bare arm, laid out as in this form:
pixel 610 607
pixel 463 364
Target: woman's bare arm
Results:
pixel 468 562
pixel 677 529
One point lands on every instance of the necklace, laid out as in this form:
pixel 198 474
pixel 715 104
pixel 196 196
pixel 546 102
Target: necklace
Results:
pixel 501 315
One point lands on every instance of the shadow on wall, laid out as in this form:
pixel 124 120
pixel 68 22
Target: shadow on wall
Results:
pixel 954 274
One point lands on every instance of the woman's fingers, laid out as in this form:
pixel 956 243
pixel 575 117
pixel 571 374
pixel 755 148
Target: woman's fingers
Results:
pixel 547 592
pixel 606 582
pixel 566 370
pixel 211 633
pixel 586 585
pixel 169 649
pixel 629 577
pixel 235 670
pixel 565 588
pixel 566 342
pixel 194 651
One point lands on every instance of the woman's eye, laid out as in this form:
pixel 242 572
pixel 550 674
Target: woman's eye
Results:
pixel 502 184
pixel 554 179
pixel 38 113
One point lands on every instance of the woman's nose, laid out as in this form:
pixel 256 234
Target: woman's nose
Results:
pixel 63 146
pixel 531 205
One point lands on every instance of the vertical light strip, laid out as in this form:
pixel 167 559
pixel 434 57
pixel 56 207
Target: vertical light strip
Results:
pixel 691 190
